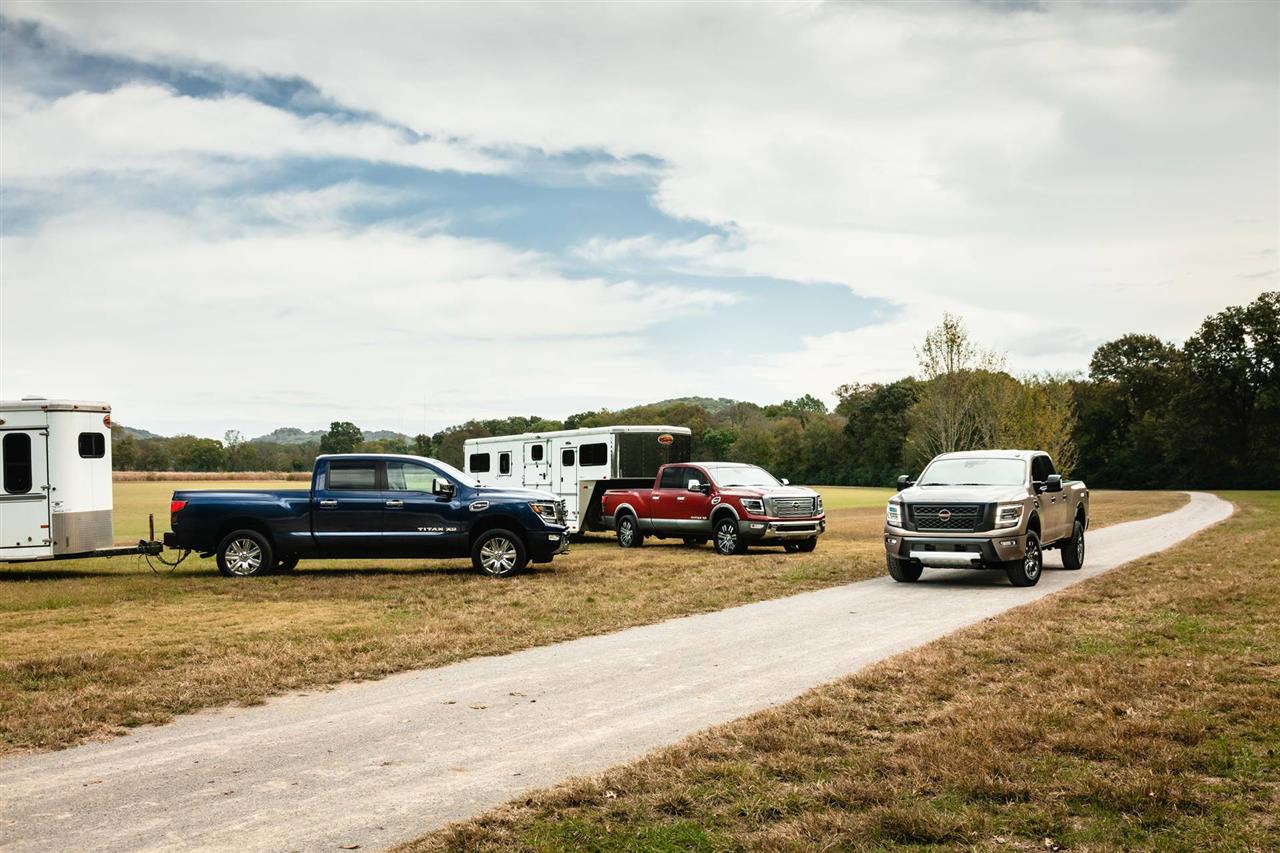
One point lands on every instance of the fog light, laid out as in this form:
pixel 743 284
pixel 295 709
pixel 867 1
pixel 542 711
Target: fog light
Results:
pixel 1008 543
pixel 891 540
pixel 757 526
pixel 553 537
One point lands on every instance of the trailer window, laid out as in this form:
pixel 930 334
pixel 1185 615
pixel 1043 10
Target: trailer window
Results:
pixel 353 476
pixel 535 453
pixel 594 454
pixel 504 463
pixel 568 458
pixel 92 445
pixel 17 463
pixel 479 463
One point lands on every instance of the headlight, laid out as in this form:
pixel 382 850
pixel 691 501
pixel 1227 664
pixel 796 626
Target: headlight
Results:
pixel 819 504
pixel 755 506
pixel 1008 515
pixel 893 513
pixel 546 510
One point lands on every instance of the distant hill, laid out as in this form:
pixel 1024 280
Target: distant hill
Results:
pixel 715 405
pixel 134 432
pixel 293 435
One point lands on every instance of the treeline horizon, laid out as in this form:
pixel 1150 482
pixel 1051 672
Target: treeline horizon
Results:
pixel 1149 414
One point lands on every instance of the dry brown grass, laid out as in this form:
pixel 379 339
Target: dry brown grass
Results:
pixel 88 647
pixel 1138 710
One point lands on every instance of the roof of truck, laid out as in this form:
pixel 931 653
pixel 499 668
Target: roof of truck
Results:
pixel 991 454
pixel 565 433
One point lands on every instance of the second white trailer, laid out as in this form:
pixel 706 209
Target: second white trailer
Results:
pixel 577 465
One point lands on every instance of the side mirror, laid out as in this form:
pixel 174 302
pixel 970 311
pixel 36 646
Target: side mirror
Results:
pixel 1053 483
pixel 904 482
pixel 786 482
pixel 442 488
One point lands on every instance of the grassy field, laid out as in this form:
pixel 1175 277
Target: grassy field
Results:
pixel 88 647
pixel 1136 711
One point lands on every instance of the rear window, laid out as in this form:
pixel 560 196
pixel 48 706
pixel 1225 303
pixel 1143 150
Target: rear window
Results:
pixel 593 454
pixel 478 463
pixel 93 445
pixel 17 463
pixel 361 476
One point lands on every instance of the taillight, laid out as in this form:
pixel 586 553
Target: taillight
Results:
pixel 176 506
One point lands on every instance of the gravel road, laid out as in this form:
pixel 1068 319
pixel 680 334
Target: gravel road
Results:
pixel 380 762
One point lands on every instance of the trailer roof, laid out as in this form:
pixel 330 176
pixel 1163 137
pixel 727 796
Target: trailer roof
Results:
pixel 564 433
pixel 40 404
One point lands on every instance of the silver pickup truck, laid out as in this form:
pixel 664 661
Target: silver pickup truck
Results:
pixel 986 509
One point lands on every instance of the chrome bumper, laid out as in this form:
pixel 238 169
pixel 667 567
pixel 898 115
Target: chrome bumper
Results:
pixel 782 530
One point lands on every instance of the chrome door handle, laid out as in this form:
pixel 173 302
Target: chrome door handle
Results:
pixel 328 504
pixel 395 504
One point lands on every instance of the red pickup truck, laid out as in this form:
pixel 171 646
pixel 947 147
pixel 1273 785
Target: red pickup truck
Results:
pixel 732 503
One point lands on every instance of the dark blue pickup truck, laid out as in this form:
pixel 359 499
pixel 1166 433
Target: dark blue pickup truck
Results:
pixel 371 505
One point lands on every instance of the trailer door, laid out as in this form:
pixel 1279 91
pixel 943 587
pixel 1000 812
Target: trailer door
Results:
pixel 24 494
pixel 537 465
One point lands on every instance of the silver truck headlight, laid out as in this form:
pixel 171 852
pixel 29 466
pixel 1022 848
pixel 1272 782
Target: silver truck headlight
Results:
pixel 893 513
pixel 1008 515
pixel 755 506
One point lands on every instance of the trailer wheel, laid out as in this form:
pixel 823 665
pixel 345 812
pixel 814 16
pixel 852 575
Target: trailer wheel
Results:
pixel 629 535
pixel 498 553
pixel 287 564
pixel 244 554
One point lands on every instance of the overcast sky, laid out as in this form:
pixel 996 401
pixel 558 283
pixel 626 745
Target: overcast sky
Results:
pixel 247 216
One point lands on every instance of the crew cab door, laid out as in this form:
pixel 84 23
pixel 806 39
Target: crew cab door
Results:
pixel 416 522
pixel 24 493
pixel 347 508
pixel 1055 507
pixel 673 507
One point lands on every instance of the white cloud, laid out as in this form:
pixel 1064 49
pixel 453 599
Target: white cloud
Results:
pixel 148 129
pixel 1094 169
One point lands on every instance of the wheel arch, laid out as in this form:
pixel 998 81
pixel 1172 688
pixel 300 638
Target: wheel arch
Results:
pixel 499 521
pixel 257 525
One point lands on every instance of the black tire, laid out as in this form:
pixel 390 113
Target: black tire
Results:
pixel 804 546
pixel 287 564
pixel 1073 549
pixel 245 554
pixel 695 541
pixel 499 553
pixel 1027 571
pixel 728 538
pixel 628 531
pixel 903 571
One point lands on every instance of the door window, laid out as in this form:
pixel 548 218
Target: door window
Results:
pixel 504 463
pixel 353 476
pixel 673 478
pixel 479 463
pixel 568 457
pixel 535 453
pixel 594 454
pixel 408 477
pixel 17 463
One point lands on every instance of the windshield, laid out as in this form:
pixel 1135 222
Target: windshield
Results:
pixel 975 472
pixel 453 473
pixel 742 475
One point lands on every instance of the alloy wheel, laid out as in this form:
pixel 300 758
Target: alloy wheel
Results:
pixel 1031 562
pixel 727 538
pixel 626 532
pixel 498 555
pixel 243 557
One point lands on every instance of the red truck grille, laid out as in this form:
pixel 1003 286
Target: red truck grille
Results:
pixel 792 507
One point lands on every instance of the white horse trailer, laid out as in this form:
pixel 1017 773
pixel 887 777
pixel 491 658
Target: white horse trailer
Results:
pixel 577 465
pixel 55 481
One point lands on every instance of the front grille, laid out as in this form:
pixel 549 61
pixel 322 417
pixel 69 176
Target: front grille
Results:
pixel 793 507
pixel 953 517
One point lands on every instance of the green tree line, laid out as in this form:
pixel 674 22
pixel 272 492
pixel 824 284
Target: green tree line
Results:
pixel 1149 414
